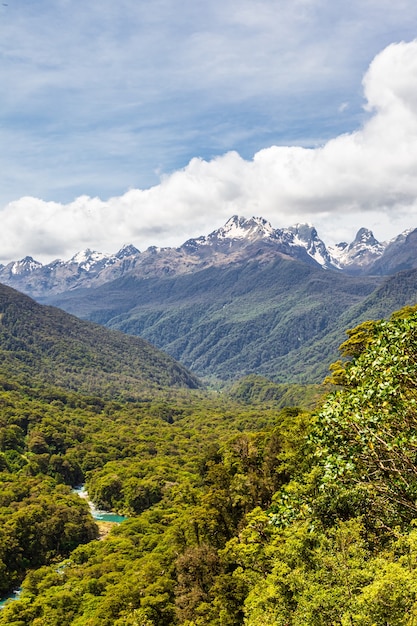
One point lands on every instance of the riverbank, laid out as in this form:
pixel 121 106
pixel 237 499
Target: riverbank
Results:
pixel 13 595
pixel 105 521
pixel 98 514
pixel 104 528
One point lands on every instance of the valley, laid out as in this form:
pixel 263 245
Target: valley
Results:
pixel 272 492
pixel 241 511
pixel 245 299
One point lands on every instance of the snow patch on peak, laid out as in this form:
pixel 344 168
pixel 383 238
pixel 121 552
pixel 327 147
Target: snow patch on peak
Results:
pixel 87 255
pixel 363 250
pixel 126 251
pixel 90 259
pixel 305 232
pixel 241 228
pixel 366 237
pixel 306 236
pixel 25 266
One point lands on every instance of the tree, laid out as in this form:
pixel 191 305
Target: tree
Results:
pixel 366 432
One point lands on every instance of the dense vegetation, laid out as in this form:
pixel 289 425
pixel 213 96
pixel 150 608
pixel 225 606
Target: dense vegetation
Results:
pixel 239 514
pixel 53 347
pixel 226 322
pixel 282 319
pixel 258 390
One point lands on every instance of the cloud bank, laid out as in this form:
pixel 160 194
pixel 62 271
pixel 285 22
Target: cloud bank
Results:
pixel 366 177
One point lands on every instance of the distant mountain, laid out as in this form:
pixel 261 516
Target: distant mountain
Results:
pixel 247 298
pixel 400 254
pixel 46 344
pixel 360 255
pixel 283 319
pixel 238 240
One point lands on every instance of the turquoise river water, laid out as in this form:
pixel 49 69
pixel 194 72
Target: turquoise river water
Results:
pixel 102 516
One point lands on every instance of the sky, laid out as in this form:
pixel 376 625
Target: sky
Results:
pixel 150 122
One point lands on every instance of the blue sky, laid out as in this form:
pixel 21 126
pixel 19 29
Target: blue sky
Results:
pixel 151 121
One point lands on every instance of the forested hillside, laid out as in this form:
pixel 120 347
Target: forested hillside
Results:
pixel 245 299
pixel 239 513
pixel 283 319
pixel 51 346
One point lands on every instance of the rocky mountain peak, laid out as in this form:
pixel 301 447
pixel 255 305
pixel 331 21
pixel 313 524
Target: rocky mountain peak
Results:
pixel 363 252
pixel 24 266
pixel 304 232
pixel 306 236
pixel 364 236
pixel 241 228
pixel 237 233
pixel 126 251
pixel 341 246
pixel 86 256
pixel 90 259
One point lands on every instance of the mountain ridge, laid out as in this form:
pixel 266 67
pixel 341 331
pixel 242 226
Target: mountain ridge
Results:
pixel 237 240
pixel 245 299
pixel 228 322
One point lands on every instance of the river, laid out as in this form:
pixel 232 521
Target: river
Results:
pixel 100 516
pixel 13 595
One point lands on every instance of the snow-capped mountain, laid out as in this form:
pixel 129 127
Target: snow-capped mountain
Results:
pixel 91 260
pixel 305 235
pixel 240 228
pixel 34 278
pixel 239 240
pixel 300 241
pixel 24 266
pixel 126 252
pixel 241 237
pixel 358 255
pixel 237 233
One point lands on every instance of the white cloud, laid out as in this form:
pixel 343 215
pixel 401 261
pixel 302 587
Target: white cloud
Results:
pixel 367 177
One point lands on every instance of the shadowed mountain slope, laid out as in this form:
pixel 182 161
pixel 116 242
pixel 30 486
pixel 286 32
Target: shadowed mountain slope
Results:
pixel 282 319
pixel 227 322
pixel 44 343
pixel 247 298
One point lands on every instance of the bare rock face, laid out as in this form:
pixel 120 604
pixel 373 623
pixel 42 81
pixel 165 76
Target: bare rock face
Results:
pixel 400 254
pixel 359 256
pixel 239 240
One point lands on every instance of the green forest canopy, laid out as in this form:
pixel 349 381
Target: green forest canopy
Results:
pixel 239 514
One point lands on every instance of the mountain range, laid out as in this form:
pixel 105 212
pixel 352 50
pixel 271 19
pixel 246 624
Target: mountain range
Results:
pixel 247 298
pixel 238 240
